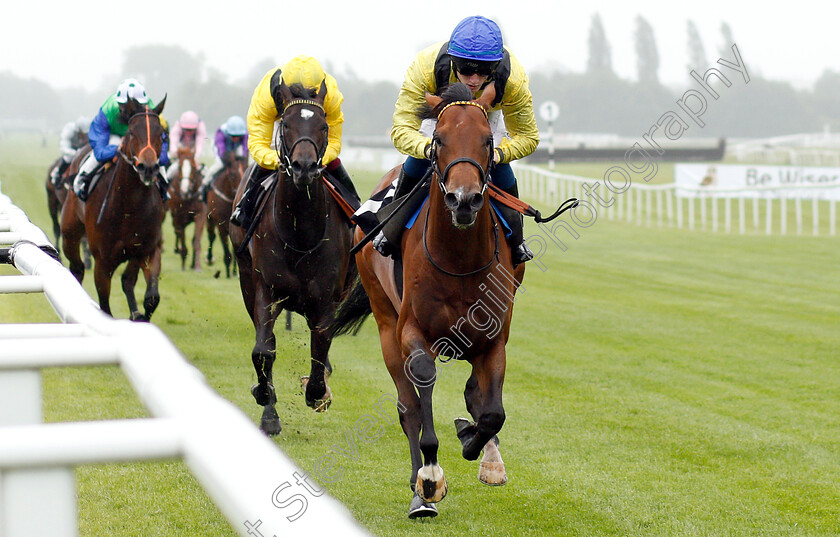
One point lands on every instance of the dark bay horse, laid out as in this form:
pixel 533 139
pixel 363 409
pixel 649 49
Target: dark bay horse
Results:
pixel 298 258
pixel 55 196
pixel 457 300
pixel 123 216
pixel 220 206
pixel 185 207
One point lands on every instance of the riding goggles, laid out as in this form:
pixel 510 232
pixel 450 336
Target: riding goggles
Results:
pixel 472 67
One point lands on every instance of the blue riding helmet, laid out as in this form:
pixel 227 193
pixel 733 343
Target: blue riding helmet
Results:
pixel 476 38
pixel 235 126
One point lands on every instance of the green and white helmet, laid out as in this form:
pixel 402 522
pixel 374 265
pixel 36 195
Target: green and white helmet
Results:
pixel 130 88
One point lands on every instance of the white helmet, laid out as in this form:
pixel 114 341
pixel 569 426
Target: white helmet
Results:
pixel 83 123
pixel 130 88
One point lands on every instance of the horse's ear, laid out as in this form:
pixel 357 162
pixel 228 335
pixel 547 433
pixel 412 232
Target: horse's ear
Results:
pixel 433 100
pixel 486 99
pixel 322 92
pixel 159 108
pixel 285 92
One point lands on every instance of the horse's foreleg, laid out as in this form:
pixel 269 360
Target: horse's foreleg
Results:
pixel 420 368
pixel 129 281
pixel 410 413
pixel 262 357
pixel 181 246
pixel 224 239
pixel 151 270
pixel 102 280
pixel 318 394
pixel 483 395
pixel 211 236
pixel 198 222
pixel 72 232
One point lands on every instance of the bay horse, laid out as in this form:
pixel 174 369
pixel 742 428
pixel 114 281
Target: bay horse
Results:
pixel 220 206
pixel 186 207
pixel 123 216
pixel 298 257
pixel 458 287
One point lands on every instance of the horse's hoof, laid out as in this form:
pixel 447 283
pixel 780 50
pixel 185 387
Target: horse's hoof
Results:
pixel 492 473
pixel 431 483
pixel 421 509
pixel 318 405
pixel 270 421
pixel 138 317
pixel 491 470
pixel 465 429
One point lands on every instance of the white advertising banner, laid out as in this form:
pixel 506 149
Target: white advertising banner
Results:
pixel 750 181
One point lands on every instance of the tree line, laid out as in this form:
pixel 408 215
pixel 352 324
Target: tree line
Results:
pixel 594 101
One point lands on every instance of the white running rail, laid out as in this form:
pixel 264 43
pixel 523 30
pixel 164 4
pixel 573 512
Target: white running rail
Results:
pixel 241 469
pixel 757 209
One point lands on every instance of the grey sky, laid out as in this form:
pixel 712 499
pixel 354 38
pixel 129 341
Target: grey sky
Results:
pixel 81 43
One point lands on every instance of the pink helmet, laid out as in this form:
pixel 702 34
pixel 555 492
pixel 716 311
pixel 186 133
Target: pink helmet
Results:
pixel 189 120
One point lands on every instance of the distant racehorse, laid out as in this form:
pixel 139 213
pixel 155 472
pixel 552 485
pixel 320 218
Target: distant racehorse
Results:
pixel 220 207
pixel 185 206
pixel 123 216
pixel 56 195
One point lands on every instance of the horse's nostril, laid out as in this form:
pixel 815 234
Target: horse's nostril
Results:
pixel 476 201
pixel 451 200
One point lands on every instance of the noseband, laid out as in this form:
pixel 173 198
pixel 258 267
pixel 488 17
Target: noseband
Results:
pixel 132 159
pixel 283 151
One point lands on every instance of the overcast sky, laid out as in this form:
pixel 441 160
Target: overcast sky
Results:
pixel 81 42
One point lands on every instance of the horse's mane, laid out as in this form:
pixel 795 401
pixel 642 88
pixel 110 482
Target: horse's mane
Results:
pixel 449 93
pixel 299 91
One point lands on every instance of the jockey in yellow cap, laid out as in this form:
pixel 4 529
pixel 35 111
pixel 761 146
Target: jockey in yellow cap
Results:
pixel 264 111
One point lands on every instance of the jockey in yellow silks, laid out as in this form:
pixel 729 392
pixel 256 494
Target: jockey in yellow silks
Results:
pixel 475 56
pixel 264 111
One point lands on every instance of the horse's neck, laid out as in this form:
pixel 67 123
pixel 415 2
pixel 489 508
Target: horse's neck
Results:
pixel 303 211
pixel 125 186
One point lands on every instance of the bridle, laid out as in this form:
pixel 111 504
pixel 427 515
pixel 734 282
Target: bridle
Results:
pixel 283 151
pixel 433 157
pixel 483 172
pixel 132 160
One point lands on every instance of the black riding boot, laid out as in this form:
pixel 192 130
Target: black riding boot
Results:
pixel 336 170
pixel 163 185
pixel 245 210
pixel 387 242
pixel 520 252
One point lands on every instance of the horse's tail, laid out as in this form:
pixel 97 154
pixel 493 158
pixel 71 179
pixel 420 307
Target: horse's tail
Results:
pixel 352 311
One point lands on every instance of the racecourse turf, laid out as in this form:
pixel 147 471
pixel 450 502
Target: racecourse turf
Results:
pixel 660 382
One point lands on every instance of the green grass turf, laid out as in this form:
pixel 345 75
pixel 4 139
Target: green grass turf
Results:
pixel 660 382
